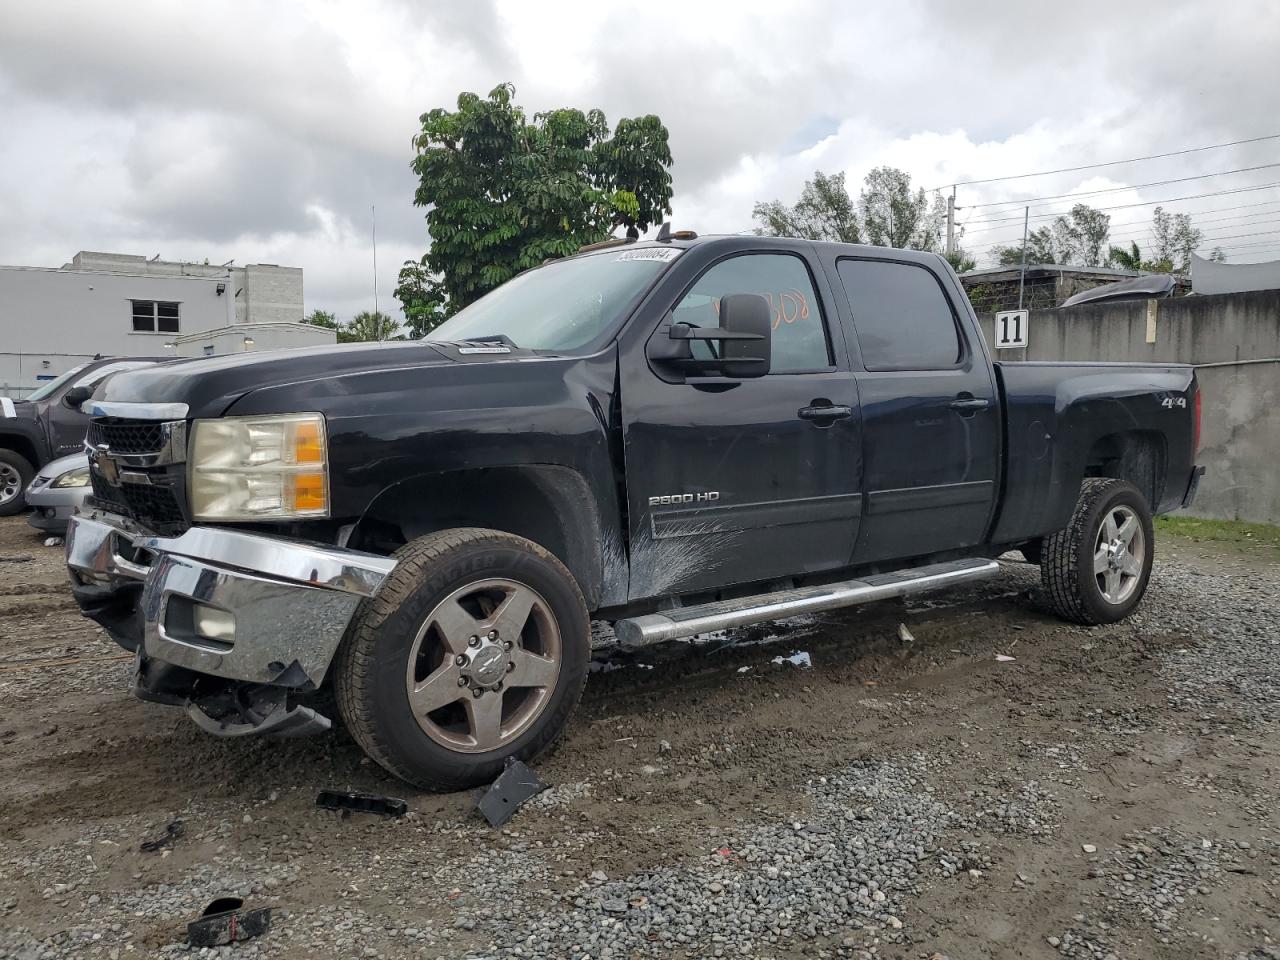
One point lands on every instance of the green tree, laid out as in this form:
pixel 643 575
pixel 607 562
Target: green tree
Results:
pixel 1174 238
pixel 961 261
pixel 321 318
pixel 503 193
pixel 825 211
pixel 367 325
pixel 894 215
pixel 1042 247
pixel 422 298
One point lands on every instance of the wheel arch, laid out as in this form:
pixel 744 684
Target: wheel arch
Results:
pixel 549 504
pixel 23 446
pixel 1139 456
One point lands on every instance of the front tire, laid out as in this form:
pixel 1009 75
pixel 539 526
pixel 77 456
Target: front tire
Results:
pixel 1096 569
pixel 474 650
pixel 16 474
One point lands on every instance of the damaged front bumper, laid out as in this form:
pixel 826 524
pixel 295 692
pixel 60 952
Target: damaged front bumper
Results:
pixel 233 625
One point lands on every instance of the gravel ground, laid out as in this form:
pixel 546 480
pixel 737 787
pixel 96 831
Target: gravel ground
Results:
pixel 1108 792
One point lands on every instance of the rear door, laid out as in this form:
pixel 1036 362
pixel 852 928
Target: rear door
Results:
pixel 930 411
pixel 733 481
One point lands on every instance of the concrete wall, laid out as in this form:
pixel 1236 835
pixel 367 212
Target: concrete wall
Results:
pixel 1234 339
pixel 52 320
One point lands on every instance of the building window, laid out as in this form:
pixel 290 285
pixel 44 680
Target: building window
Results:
pixel 208 349
pixel 155 316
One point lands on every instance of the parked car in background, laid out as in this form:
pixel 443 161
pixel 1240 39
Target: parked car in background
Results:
pixel 59 488
pixel 49 424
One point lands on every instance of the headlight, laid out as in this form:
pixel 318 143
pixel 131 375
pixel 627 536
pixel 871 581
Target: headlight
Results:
pixel 79 477
pixel 258 468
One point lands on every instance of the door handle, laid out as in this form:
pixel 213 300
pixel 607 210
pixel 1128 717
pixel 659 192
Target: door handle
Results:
pixel 825 412
pixel 969 404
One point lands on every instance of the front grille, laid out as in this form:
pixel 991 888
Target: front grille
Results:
pixel 127 436
pixel 141 450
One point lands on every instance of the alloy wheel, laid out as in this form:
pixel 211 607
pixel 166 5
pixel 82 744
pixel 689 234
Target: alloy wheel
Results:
pixel 483 665
pixel 1119 554
pixel 10 483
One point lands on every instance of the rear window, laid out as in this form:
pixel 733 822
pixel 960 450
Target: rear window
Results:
pixel 902 318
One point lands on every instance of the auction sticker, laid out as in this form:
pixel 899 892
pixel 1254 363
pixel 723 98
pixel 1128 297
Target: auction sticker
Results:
pixel 660 254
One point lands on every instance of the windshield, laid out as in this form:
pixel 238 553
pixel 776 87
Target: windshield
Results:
pixel 52 386
pixel 564 305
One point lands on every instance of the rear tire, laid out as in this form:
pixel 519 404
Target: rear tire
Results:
pixel 16 474
pixel 474 650
pixel 1096 569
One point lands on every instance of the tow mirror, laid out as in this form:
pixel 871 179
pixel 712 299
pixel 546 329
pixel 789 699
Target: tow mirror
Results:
pixel 76 396
pixel 743 338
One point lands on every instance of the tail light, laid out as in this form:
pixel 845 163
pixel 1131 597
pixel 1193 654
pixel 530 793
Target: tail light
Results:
pixel 1195 431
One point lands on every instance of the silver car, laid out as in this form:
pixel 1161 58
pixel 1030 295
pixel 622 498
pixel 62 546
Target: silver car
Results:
pixel 58 489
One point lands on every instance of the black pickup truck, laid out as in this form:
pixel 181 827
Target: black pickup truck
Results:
pixel 673 436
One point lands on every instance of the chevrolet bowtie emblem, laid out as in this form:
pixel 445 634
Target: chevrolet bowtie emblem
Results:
pixel 105 465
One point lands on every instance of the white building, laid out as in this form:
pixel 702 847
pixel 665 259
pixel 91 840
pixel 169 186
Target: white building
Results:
pixel 129 306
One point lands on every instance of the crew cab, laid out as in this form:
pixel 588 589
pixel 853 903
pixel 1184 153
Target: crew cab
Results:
pixel 49 425
pixel 673 436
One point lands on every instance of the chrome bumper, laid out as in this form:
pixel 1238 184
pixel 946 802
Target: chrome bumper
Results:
pixel 291 601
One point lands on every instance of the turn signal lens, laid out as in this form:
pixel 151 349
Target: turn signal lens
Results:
pixel 308 493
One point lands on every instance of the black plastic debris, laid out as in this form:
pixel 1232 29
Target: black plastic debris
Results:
pixel 348 803
pixel 172 831
pixel 226 921
pixel 515 785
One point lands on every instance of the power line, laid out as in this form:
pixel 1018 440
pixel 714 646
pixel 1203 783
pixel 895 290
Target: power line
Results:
pixel 1136 186
pixel 1193 213
pixel 1144 203
pixel 1145 238
pixel 1114 163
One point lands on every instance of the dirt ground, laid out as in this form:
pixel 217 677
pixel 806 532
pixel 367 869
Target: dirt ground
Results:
pixel 1106 792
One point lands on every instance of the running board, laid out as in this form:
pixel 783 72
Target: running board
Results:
pixel 689 621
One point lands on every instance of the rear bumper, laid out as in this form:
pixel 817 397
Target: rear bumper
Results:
pixel 288 602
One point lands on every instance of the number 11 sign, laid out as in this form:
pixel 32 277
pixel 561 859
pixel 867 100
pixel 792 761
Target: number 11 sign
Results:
pixel 1011 329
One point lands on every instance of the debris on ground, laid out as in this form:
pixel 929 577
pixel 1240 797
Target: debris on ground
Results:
pixel 904 634
pixel 516 784
pixel 53 542
pixel 173 830
pixel 226 921
pixel 800 658
pixel 21 558
pixel 1004 658
pixel 348 803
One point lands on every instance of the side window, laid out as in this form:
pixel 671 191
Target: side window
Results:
pixel 902 318
pixel 799 335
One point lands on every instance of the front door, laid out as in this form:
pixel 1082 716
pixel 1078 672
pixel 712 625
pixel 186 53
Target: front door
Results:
pixel 930 413
pixel 734 481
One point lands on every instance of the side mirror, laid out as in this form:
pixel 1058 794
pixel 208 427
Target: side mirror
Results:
pixel 76 396
pixel 743 341
pixel 748 318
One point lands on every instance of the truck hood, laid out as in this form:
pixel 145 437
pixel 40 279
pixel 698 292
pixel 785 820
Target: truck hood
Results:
pixel 11 410
pixel 209 385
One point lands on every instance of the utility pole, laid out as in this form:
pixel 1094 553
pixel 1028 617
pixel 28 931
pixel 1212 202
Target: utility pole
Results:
pixel 951 222
pixel 373 219
pixel 1022 277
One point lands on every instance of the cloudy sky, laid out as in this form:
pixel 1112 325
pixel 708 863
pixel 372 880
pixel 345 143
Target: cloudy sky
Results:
pixel 265 131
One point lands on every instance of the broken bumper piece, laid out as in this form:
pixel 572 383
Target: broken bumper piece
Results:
pixel 229 623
